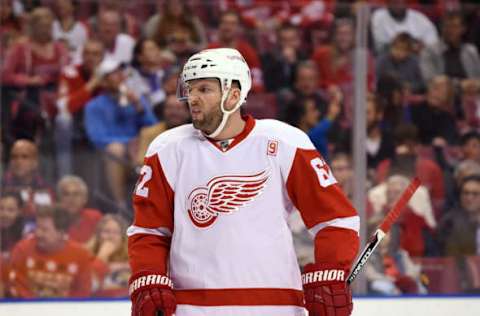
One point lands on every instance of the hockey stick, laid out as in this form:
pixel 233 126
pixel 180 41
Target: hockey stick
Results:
pixel 384 227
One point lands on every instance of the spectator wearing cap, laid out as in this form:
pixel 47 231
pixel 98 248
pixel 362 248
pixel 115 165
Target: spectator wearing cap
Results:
pixel 47 263
pixel 72 196
pixel 113 120
pixel 23 176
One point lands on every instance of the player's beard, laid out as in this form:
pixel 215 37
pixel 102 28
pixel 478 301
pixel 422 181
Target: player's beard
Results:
pixel 210 121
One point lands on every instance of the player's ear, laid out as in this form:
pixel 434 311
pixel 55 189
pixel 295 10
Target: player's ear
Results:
pixel 233 98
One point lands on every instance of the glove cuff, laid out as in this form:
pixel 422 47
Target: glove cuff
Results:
pixel 318 274
pixel 148 279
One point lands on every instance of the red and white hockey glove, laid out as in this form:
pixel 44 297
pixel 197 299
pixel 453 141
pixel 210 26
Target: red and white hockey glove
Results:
pixel 326 291
pixel 151 293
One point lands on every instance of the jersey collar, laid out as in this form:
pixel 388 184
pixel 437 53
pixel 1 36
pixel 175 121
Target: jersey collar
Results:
pixel 249 125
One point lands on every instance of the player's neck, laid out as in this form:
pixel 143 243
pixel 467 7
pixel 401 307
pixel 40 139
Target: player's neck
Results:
pixel 235 125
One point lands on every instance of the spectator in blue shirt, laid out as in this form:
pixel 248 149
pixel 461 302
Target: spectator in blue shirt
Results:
pixel 113 120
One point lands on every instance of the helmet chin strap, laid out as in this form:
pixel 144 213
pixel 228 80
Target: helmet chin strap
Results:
pixel 225 112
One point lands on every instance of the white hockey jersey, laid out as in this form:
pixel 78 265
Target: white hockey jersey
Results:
pixel 216 220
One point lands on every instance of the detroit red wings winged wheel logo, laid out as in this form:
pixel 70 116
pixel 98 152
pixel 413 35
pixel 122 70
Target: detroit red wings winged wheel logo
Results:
pixel 223 195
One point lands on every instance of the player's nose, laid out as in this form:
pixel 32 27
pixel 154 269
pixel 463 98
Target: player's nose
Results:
pixel 193 99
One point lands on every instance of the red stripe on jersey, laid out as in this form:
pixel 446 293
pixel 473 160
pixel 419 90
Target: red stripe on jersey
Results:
pixel 315 202
pixel 148 253
pixel 240 297
pixel 334 244
pixel 155 208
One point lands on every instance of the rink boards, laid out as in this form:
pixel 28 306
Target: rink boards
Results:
pixel 411 306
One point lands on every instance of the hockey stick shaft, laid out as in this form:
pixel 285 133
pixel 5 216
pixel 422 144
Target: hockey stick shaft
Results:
pixel 384 228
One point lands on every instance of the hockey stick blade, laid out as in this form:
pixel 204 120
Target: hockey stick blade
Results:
pixel 384 228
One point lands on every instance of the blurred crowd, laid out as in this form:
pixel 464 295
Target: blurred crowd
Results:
pixel 87 85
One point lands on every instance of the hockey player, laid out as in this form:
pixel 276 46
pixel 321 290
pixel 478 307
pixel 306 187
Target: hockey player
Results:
pixel 210 234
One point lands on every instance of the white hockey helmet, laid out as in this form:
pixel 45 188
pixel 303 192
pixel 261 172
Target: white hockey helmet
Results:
pixel 225 64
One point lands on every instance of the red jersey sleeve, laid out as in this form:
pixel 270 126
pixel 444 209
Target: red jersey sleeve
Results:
pixel 324 208
pixel 150 235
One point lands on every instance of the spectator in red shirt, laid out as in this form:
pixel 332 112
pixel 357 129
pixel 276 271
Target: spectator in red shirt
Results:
pixel 229 35
pixel 36 62
pixel 23 176
pixel 78 84
pixel 30 71
pixel 72 196
pixel 10 27
pixel 47 264
pixel 335 64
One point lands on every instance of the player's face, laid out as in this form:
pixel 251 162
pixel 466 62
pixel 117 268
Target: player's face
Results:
pixel 204 97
